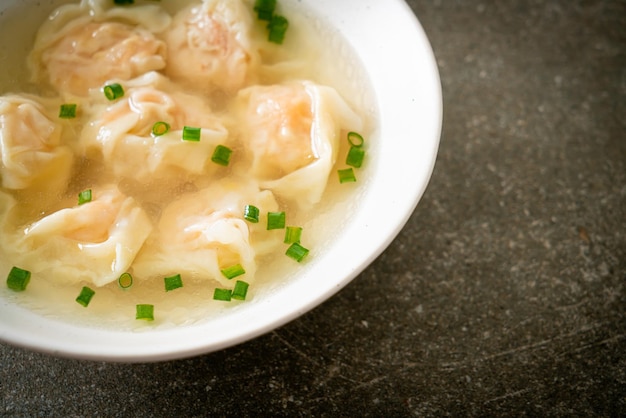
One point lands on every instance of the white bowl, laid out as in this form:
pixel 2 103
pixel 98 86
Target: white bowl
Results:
pixel 400 64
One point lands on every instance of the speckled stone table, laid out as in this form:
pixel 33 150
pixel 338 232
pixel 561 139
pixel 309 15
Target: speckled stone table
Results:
pixel 504 295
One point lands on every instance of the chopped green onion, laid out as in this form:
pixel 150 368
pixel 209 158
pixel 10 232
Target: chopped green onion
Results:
pixel 18 279
pixel 84 197
pixel 222 294
pixel 67 111
pixel 113 91
pixel 121 2
pixel 173 282
pixel 233 271
pixel 275 220
pixel 191 134
pixel 355 139
pixel 277 28
pixel 125 280
pixel 355 156
pixel 85 296
pixel 145 312
pixel 251 213
pixel 292 234
pixel 160 128
pixel 297 252
pixel 221 155
pixel 346 175
pixel 264 9
pixel 240 291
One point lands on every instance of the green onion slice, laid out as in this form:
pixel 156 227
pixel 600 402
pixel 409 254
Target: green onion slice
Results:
pixel 125 280
pixel 222 294
pixel 221 155
pixel 85 296
pixel 251 213
pixel 160 128
pixel 145 312
pixel 275 220
pixel 18 279
pixel 68 110
pixel 264 9
pixel 122 2
pixel 277 28
pixel 292 234
pixel 191 133
pixel 173 282
pixel 346 175
pixel 84 197
pixel 355 156
pixel 113 91
pixel 240 291
pixel 297 252
pixel 355 139
pixel 233 271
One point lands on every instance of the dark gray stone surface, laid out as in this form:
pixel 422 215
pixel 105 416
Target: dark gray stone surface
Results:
pixel 504 294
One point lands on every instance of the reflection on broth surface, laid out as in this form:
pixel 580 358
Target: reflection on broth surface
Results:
pixel 207 118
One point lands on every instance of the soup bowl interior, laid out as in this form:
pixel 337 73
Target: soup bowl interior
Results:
pixel 400 65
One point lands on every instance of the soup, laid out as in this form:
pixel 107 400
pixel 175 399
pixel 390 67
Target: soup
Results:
pixel 165 161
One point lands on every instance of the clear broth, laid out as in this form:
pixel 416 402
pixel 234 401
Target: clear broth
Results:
pixel 328 59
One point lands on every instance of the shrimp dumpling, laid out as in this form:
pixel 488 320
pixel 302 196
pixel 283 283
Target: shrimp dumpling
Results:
pixel 204 232
pixel 209 45
pixel 94 242
pixel 33 156
pixel 122 132
pixel 292 132
pixel 75 55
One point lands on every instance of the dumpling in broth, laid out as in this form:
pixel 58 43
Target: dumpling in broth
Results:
pixel 31 149
pixel 204 232
pixel 292 131
pixel 209 45
pixel 95 242
pixel 84 45
pixel 122 132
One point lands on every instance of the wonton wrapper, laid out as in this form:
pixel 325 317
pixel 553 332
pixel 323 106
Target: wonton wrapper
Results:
pixel 95 242
pixel 210 45
pixel 31 150
pixel 84 45
pixel 204 232
pixel 292 131
pixel 121 131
